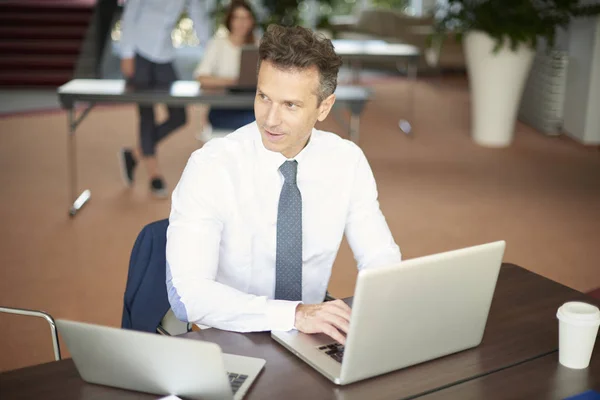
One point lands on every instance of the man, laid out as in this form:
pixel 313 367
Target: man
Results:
pixel 147 62
pixel 258 216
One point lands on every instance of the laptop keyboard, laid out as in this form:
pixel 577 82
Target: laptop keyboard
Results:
pixel 334 350
pixel 236 381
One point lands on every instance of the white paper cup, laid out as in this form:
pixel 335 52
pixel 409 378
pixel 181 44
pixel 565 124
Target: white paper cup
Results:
pixel 577 330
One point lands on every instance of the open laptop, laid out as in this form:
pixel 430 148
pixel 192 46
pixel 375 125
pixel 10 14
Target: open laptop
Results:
pixel 402 315
pixel 248 78
pixel 157 364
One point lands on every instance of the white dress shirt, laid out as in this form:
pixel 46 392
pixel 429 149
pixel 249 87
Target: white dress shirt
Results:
pixel 146 27
pixel 221 241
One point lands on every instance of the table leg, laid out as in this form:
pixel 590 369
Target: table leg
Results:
pixel 355 71
pixel 77 201
pixel 355 107
pixel 404 124
pixel 354 127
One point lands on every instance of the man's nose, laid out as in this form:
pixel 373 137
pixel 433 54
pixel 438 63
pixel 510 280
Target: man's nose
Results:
pixel 273 117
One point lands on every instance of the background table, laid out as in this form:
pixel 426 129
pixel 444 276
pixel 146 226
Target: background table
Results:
pixel 180 93
pixel 355 52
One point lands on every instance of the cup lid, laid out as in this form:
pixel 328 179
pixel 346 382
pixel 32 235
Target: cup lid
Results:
pixel 579 313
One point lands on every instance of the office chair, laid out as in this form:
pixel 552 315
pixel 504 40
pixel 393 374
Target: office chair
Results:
pixel 38 314
pixel 145 303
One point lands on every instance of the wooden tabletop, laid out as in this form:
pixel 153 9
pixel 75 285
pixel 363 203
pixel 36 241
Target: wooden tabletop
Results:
pixel 521 335
pixel 522 325
pixel 543 378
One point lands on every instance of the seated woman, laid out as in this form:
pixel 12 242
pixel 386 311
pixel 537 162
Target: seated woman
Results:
pixel 220 65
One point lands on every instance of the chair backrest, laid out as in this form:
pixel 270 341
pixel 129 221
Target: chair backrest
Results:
pixel 145 302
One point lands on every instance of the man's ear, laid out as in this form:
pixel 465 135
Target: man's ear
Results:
pixel 325 107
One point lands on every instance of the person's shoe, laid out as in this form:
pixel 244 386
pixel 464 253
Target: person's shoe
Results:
pixel 158 188
pixel 128 164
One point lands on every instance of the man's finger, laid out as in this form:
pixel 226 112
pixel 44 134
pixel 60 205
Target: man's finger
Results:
pixel 339 311
pixel 333 333
pixel 339 322
pixel 341 305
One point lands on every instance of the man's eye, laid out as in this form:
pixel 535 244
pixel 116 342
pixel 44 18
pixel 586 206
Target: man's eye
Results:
pixel 290 105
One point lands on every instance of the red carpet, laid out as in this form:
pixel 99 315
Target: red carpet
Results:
pixel 40 40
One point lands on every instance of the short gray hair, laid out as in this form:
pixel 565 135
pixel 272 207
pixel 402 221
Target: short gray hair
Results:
pixel 300 48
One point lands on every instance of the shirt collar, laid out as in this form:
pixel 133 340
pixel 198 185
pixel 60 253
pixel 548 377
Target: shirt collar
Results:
pixel 274 159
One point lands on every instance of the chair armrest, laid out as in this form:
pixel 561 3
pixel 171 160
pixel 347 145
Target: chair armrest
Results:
pixel 328 297
pixel 171 326
pixel 39 314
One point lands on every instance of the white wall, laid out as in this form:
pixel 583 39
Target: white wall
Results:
pixel 582 98
pixel 592 131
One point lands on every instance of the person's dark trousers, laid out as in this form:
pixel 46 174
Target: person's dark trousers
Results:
pixel 151 75
pixel 230 119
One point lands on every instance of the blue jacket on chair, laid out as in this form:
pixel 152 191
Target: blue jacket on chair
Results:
pixel 145 300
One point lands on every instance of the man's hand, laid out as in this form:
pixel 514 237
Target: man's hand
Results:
pixel 128 67
pixel 329 318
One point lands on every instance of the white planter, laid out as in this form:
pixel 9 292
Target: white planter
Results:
pixel 496 81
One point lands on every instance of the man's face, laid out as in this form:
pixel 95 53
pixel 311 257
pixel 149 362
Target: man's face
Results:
pixel 286 107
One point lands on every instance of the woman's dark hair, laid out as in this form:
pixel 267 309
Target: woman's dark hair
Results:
pixel 235 4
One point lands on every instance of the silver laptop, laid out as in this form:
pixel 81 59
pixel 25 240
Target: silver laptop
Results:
pixel 157 364
pixel 402 315
pixel 248 78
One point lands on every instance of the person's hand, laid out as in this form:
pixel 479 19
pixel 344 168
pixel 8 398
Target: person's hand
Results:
pixel 128 67
pixel 329 318
pixel 215 82
pixel 230 82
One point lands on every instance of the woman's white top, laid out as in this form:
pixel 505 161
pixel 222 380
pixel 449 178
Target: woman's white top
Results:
pixel 221 59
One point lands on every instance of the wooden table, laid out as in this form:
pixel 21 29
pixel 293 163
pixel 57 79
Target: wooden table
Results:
pixel 543 378
pixel 521 335
pixel 522 326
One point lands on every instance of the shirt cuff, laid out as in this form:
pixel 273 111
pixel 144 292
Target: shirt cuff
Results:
pixel 281 314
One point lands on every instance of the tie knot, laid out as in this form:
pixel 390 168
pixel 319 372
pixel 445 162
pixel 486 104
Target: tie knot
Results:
pixel 288 170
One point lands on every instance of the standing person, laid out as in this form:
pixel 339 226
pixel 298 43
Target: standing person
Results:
pixel 258 216
pixel 220 65
pixel 147 56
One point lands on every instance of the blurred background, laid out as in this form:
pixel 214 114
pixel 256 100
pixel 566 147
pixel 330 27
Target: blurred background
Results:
pixel 448 184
